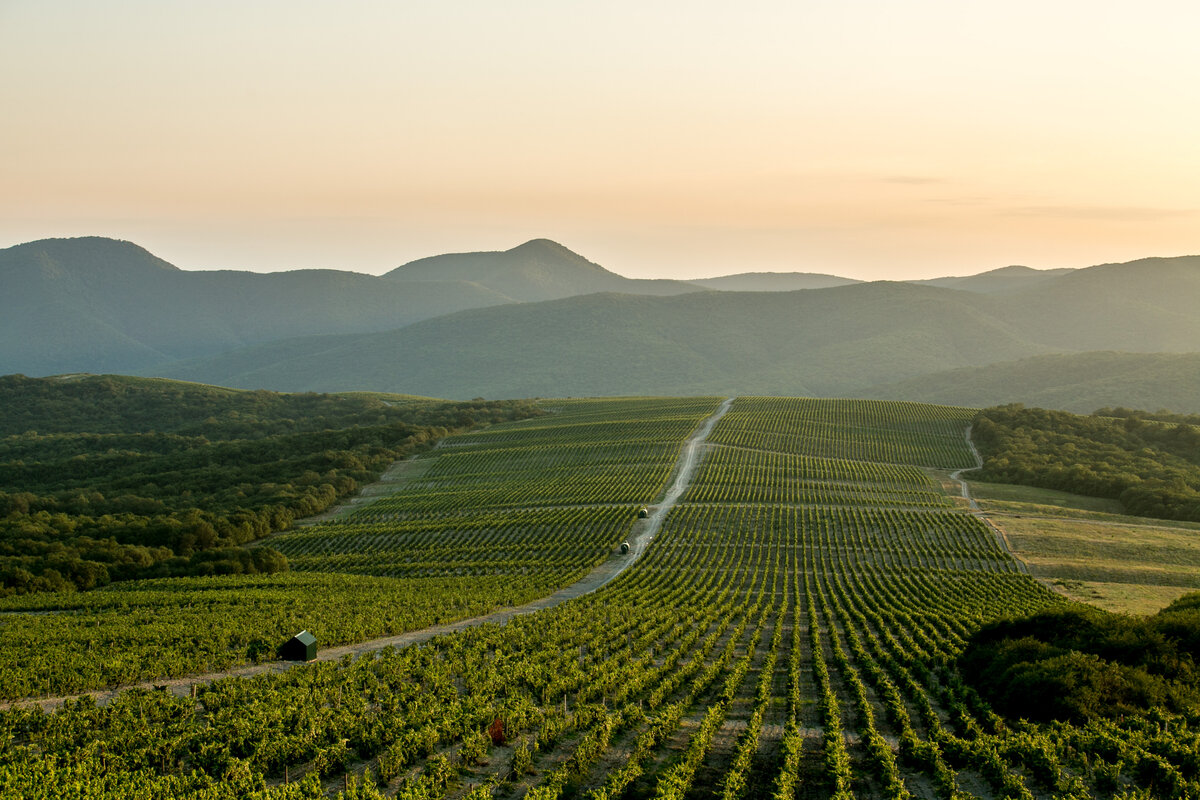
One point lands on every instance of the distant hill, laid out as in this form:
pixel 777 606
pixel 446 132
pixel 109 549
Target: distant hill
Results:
pixel 100 305
pixel 837 341
pixel 1149 305
pixel 537 270
pixel 772 281
pixel 1005 280
pixel 818 342
pixel 541 320
pixel 94 304
pixel 1080 382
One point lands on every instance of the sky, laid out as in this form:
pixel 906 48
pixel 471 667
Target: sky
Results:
pixel 868 139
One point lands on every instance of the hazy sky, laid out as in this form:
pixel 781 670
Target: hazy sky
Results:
pixel 676 139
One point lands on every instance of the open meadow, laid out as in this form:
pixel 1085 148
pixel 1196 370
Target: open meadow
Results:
pixel 1089 550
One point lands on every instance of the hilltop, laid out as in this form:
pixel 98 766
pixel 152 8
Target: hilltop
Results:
pixel 100 305
pixel 536 270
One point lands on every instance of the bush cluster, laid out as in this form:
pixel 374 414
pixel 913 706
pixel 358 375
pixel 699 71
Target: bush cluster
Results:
pixel 1078 664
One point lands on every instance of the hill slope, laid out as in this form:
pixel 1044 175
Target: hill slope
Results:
pixel 812 342
pixel 1080 382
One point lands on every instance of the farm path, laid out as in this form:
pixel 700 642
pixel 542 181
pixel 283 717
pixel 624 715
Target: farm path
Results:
pixel 643 532
pixel 974 506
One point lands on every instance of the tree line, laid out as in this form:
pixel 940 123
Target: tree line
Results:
pixel 1152 466
pixel 122 478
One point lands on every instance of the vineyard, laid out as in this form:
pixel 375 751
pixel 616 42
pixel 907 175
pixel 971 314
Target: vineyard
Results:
pixel 541 500
pixel 791 632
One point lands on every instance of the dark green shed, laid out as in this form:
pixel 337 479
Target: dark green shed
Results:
pixel 301 647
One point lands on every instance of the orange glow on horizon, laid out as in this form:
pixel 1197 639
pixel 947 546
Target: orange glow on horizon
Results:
pixel 670 140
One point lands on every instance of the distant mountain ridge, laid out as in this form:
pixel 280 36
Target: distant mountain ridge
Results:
pixel 997 281
pixel 772 281
pixel 539 319
pixel 95 304
pixel 841 341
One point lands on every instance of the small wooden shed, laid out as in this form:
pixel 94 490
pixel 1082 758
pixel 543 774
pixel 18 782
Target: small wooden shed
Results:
pixel 301 647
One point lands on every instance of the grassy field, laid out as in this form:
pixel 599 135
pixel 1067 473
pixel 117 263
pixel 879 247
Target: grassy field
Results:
pixel 1032 500
pixel 1087 549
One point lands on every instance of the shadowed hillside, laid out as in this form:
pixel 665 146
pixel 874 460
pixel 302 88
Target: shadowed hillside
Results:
pixel 807 342
pixel 1080 382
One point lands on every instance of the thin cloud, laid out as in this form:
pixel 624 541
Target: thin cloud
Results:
pixel 912 180
pixel 1107 213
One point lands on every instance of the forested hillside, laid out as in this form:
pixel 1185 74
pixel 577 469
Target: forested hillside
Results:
pixel 541 320
pixel 107 478
pixel 1151 466
pixel 1078 665
pixel 100 305
pixel 810 342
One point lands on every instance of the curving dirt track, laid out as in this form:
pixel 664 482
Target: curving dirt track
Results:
pixel 643 532
pixel 974 506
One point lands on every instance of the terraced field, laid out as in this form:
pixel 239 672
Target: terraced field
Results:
pixel 790 633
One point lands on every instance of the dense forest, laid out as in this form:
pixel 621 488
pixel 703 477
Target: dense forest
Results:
pixel 1151 463
pixel 106 478
pixel 1077 664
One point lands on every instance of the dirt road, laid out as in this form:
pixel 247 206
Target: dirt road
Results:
pixel 974 506
pixel 643 532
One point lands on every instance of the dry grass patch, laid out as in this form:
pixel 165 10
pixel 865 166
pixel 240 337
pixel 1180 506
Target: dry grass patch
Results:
pixel 1122 598
pixel 1132 569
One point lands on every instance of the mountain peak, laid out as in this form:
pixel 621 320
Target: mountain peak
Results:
pixel 542 244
